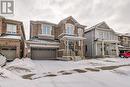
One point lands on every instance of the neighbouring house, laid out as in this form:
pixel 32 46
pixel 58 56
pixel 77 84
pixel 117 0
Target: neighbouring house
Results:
pixel 56 41
pixel 42 43
pixel 12 38
pixel 101 41
pixel 124 44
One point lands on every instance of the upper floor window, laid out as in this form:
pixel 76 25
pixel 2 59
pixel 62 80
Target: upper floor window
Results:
pixel 69 29
pixel 46 29
pixel 11 28
pixel 80 32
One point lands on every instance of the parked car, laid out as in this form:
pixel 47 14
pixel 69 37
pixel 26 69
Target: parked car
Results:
pixel 2 60
pixel 125 55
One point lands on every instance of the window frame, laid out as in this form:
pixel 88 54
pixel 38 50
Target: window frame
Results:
pixel 46 27
pixel 12 30
pixel 72 30
pixel 80 32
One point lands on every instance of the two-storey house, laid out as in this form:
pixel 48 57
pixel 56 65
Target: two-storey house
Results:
pixel 42 43
pixel 56 41
pixel 70 33
pixel 101 41
pixel 11 38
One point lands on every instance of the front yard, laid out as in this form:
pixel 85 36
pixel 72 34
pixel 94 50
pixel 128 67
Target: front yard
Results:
pixel 108 72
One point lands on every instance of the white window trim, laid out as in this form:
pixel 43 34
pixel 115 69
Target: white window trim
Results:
pixel 80 34
pixel 50 33
pixel 79 43
pixel 11 31
pixel 68 24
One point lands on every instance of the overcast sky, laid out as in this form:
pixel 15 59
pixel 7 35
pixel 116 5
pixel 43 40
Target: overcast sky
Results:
pixel 116 13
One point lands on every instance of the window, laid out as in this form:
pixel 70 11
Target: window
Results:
pixel 11 28
pixel 80 32
pixel 69 29
pixel 46 29
pixel 79 43
pixel 101 35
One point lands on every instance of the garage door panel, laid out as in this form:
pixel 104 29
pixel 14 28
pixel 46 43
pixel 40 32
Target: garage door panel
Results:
pixel 41 54
pixel 9 54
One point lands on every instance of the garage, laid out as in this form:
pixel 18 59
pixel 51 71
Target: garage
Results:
pixel 10 54
pixel 43 54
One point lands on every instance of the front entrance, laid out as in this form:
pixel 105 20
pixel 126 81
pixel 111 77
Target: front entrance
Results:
pixel 109 49
pixel 106 49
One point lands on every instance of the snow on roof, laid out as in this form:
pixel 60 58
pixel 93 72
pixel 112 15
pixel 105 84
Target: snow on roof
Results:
pixel 74 38
pixel 11 37
pixel 127 34
pixel 44 46
pixel 44 42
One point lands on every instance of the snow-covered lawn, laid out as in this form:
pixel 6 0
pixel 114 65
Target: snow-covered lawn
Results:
pixel 108 72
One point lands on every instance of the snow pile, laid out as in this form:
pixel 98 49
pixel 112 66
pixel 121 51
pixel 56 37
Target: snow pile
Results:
pixel 123 70
pixel 2 60
pixel 7 74
pixel 21 66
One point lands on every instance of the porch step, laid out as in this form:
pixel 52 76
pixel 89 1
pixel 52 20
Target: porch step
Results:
pixel 77 58
pixel 69 58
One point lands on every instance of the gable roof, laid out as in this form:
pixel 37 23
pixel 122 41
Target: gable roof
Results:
pixel 99 25
pixel 75 22
pixel 42 22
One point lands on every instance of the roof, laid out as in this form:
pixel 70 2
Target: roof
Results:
pixel 127 34
pixel 37 41
pixel 70 17
pixel 73 38
pixel 1 17
pixel 97 25
pixel 44 46
pixel 10 37
pixel 42 22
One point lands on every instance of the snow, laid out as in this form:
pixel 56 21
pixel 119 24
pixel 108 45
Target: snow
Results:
pixel 49 73
pixel 11 37
pixel 2 60
pixel 7 74
pixel 21 66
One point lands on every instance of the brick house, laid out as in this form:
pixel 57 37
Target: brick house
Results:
pixel 56 41
pixel 70 33
pixel 101 41
pixel 12 38
pixel 42 43
pixel 124 44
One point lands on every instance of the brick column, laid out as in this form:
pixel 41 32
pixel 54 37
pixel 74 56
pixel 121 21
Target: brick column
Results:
pixel 81 44
pixel 0 26
pixel 18 52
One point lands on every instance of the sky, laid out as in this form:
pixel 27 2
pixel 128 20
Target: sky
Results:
pixel 116 13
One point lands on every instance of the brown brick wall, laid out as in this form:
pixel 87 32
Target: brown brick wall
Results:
pixel 3 25
pixel 11 43
pixel 0 26
pixel 36 29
